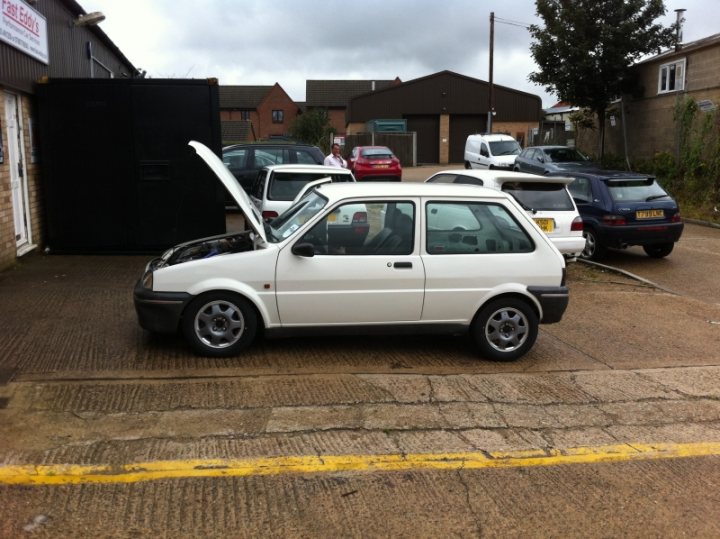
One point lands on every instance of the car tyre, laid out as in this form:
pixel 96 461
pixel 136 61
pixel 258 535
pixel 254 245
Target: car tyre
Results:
pixel 505 329
pixel 659 250
pixel 593 250
pixel 467 164
pixel 219 324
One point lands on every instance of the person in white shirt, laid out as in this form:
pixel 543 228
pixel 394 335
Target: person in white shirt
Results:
pixel 335 159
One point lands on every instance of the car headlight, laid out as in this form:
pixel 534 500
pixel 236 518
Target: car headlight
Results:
pixel 147 280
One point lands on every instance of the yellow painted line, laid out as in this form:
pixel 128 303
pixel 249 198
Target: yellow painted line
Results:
pixel 63 474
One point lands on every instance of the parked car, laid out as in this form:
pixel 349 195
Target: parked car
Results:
pixel 276 187
pixel 491 151
pixel 620 209
pixel 497 279
pixel 245 160
pixel 546 199
pixel 551 159
pixel 374 163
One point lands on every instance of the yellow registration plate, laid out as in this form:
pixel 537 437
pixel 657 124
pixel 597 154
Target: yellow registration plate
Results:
pixel 381 166
pixel 546 225
pixel 649 214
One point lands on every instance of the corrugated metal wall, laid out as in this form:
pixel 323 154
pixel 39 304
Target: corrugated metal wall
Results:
pixel 67 51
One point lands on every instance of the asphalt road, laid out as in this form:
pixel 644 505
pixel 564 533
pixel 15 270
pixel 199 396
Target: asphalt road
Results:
pixel 610 426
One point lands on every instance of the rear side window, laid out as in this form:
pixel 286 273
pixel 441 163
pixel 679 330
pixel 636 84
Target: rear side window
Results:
pixel 581 190
pixel 235 159
pixel 306 158
pixel 258 185
pixel 473 228
pixel 540 196
pixel 271 156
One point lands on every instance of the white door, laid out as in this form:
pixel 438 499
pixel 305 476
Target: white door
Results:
pixel 354 280
pixel 14 159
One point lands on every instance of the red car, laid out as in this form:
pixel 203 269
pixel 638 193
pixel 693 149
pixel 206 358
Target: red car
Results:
pixel 376 163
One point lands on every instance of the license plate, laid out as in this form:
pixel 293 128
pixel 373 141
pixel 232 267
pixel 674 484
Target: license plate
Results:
pixel 649 214
pixel 381 166
pixel 546 225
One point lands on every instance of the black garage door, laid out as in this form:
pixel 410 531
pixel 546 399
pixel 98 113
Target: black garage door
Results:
pixel 428 137
pixel 462 125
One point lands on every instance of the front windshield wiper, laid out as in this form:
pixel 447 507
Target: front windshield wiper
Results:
pixel 655 197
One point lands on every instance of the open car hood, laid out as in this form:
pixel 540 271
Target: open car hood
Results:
pixel 252 216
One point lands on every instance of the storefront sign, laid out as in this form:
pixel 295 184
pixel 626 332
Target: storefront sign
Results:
pixel 24 28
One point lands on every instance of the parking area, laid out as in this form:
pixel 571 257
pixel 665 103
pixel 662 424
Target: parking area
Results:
pixel 123 430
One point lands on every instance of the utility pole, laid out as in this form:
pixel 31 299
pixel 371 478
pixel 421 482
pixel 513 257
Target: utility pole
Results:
pixel 491 96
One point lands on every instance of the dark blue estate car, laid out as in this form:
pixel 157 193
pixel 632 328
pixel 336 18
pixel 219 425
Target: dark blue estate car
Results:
pixel 620 209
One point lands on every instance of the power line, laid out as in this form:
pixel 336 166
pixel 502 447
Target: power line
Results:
pixel 513 23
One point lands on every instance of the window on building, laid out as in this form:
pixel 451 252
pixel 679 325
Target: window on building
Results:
pixel 671 77
pixel 244 114
pixel 278 116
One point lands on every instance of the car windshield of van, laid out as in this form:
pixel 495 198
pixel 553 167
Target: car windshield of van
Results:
pixel 540 196
pixel 505 147
pixel 635 190
pixel 294 217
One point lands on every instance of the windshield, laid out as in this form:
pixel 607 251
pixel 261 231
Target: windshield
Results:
pixel 285 225
pixel 636 190
pixel 565 155
pixel 505 147
pixel 540 196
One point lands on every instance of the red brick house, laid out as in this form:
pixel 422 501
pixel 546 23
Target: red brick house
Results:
pixel 249 113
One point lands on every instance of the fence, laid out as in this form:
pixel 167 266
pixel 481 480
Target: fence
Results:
pixel 403 145
pixel 549 133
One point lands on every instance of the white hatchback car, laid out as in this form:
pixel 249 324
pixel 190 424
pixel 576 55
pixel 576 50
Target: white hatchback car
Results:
pixel 275 187
pixel 402 266
pixel 545 198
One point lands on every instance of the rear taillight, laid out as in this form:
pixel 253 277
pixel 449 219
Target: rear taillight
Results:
pixel 676 218
pixel 614 220
pixel 359 217
pixel 267 215
pixel 577 224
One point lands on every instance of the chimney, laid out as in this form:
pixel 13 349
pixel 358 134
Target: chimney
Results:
pixel 679 22
pixel 372 86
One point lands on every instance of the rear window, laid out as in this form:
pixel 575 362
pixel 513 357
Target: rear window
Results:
pixel 540 196
pixel 635 190
pixel 286 185
pixel 377 153
pixel 565 155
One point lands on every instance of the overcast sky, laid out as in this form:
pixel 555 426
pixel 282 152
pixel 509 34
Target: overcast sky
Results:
pixel 261 42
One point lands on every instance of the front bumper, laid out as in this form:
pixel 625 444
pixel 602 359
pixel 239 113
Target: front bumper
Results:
pixel 159 312
pixel 553 301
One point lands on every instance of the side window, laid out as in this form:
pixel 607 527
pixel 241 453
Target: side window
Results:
pixel 581 191
pixel 378 228
pixel 304 158
pixel 235 159
pixel 473 228
pixel 270 156
pixel 484 150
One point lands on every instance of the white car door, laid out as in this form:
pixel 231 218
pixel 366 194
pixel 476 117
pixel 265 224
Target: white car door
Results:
pixel 368 273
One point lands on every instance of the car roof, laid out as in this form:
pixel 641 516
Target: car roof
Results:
pixel 268 145
pixel 307 168
pixel 493 136
pixel 338 191
pixel 602 174
pixel 502 176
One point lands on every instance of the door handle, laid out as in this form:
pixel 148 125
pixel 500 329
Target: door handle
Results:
pixel 402 265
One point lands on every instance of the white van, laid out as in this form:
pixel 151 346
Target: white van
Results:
pixel 491 151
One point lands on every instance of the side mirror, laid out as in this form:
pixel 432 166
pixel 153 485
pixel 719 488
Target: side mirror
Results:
pixel 306 250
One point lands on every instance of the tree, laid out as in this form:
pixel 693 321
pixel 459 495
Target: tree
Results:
pixel 313 127
pixel 586 48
